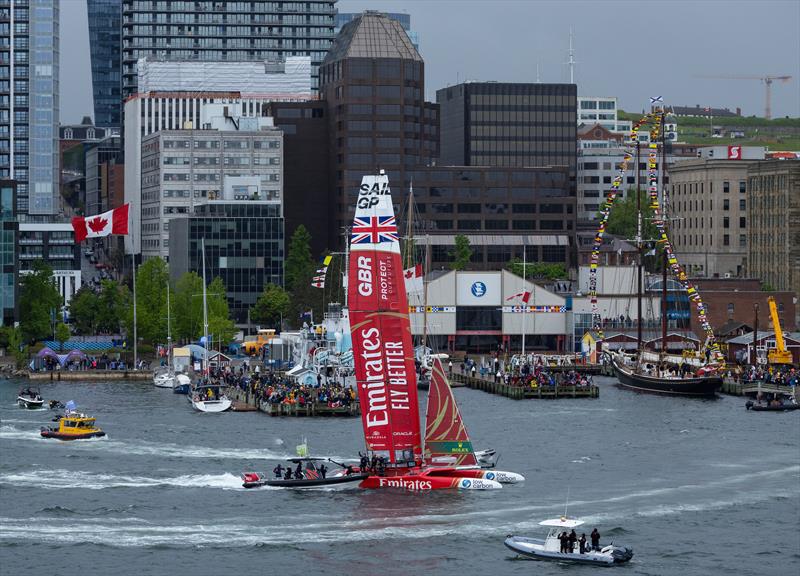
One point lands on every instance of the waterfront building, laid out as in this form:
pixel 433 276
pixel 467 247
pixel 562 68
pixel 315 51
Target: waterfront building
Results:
pixel 373 81
pixel 9 229
pixel 501 211
pixel 603 111
pixel 224 31
pixel 105 49
pixel 29 111
pixel 773 237
pixel 234 159
pixel 343 18
pixel 172 109
pixel 54 243
pixel 244 245
pixel 708 206
pixel 509 124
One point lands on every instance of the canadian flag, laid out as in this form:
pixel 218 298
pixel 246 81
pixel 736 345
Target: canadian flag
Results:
pixel 524 296
pixel 413 278
pixel 112 222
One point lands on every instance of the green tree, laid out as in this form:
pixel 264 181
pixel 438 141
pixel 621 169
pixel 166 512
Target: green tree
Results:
pixel 188 307
pixel 299 267
pixel 15 344
pixel 152 283
pixel 220 325
pixel 623 220
pixel 271 306
pixel 461 253
pixel 62 334
pixel 84 309
pixel 39 302
pixel 114 307
pixel 537 270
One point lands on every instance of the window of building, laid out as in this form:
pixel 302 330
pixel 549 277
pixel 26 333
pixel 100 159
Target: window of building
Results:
pixel 726 187
pixel 726 204
pixel 469 208
pixel 742 204
pixel 742 222
pixel 551 224
pixel 495 225
pixel 554 253
pixel 742 186
pixel 726 222
pixel 469 224
pixel 443 224
pixel 742 240
pixel 523 224
pixel 726 240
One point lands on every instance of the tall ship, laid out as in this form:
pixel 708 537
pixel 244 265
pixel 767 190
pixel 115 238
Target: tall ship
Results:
pixel 657 371
pixel 383 352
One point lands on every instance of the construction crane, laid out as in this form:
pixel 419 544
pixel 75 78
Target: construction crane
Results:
pixel 779 355
pixel 767 80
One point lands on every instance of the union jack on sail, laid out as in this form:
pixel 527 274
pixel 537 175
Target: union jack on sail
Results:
pixel 374 230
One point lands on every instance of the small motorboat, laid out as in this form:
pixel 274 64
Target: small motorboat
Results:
pixel 206 397
pixel 73 426
pixel 56 405
pixel 306 472
pixel 183 384
pixel 550 547
pixel 775 405
pixel 164 379
pixel 30 399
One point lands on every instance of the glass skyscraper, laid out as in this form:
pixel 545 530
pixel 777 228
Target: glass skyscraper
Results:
pixel 29 59
pixel 105 45
pixel 221 30
pixel 8 253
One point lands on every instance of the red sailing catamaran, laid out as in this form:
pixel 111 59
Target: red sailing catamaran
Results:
pixel 383 352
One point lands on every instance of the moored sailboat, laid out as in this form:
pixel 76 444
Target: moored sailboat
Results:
pixel 383 352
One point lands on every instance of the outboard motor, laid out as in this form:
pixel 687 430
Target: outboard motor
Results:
pixel 621 554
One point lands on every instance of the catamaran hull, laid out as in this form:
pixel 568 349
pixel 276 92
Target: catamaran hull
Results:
pixel 497 475
pixel 534 548
pixel 427 482
pixel 701 387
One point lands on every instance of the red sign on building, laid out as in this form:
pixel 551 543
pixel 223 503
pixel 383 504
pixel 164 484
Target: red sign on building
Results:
pixel 734 152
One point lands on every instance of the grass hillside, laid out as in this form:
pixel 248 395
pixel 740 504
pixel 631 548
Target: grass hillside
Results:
pixel 776 134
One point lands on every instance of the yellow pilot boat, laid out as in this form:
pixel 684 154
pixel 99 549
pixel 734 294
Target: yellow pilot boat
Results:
pixel 74 426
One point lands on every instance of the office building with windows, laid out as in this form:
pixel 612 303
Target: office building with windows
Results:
pixel 224 30
pixel 773 235
pixel 343 18
pixel 373 81
pixel 29 91
pixel 602 111
pixel 509 124
pixel 105 49
pixel 54 243
pixel 103 173
pixel 708 208
pixel 182 169
pixel 244 245
pixel 501 211
pixel 8 253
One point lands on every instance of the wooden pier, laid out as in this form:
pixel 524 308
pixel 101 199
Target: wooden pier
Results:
pixel 90 375
pixel 243 402
pixel 734 388
pixel 523 392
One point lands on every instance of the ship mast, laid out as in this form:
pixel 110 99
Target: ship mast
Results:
pixel 639 250
pixel 664 216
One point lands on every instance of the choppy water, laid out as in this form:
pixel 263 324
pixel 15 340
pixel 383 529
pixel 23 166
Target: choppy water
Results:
pixel 695 487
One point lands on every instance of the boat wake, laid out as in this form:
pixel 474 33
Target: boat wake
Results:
pixel 168 450
pixel 126 531
pixel 59 479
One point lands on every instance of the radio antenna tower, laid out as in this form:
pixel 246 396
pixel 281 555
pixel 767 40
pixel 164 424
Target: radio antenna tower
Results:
pixel 571 60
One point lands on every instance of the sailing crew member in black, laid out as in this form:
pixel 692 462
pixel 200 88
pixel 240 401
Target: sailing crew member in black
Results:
pixel 278 470
pixel 322 471
pixel 288 475
pixel 595 536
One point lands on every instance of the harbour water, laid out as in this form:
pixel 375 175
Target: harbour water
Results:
pixel 694 486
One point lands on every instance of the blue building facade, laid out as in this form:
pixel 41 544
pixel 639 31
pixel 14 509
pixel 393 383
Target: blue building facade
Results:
pixel 105 45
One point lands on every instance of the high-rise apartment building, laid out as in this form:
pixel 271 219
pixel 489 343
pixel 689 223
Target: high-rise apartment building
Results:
pixel 373 81
pixel 29 89
pixel 224 30
pixel 9 229
pixel 105 47
pixel 509 124
pixel 773 204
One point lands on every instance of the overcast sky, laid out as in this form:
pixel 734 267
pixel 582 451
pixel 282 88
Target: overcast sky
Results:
pixel 630 49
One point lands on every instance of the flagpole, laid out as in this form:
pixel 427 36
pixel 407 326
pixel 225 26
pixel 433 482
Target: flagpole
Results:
pixel 525 304
pixel 133 274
